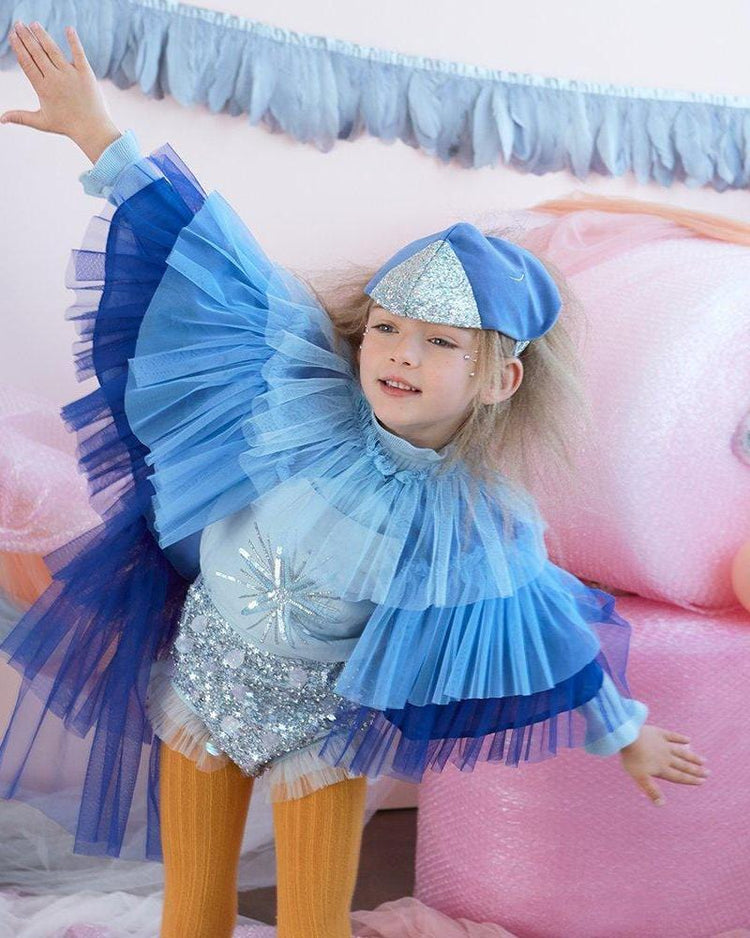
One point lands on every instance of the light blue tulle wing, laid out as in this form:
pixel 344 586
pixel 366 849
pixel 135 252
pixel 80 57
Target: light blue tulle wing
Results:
pixel 510 680
pixel 202 363
pixel 239 384
pixel 517 645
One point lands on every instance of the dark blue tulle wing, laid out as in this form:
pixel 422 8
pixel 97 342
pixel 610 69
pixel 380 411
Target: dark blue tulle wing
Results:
pixel 85 648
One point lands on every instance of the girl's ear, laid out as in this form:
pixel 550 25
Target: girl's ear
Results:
pixel 510 381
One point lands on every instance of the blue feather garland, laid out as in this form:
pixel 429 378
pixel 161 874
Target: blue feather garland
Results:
pixel 321 90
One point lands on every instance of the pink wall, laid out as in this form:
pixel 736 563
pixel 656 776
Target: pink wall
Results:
pixel 364 199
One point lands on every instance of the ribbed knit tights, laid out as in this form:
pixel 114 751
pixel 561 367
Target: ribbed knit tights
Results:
pixel 318 840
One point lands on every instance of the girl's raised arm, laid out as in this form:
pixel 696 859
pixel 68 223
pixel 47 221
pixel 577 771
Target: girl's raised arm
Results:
pixel 71 102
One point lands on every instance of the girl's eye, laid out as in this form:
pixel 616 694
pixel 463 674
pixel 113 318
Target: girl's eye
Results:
pixel 387 328
pixel 446 343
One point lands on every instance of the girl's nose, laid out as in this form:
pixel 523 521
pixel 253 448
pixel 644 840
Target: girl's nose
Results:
pixel 406 351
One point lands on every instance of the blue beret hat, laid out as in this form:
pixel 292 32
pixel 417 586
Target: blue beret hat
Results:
pixel 460 277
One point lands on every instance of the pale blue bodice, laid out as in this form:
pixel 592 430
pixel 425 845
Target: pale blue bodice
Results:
pixel 264 576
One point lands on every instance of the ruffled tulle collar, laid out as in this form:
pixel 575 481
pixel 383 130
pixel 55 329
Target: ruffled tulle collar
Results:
pixel 392 454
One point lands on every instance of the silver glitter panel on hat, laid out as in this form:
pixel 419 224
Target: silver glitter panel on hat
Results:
pixel 256 705
pixel 431 285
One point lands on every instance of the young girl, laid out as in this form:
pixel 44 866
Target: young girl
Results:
pixel 369 593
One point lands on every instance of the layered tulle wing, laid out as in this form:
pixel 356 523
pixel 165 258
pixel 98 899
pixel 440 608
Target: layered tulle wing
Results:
pixel 508 680
pixel 202 364
pixel 85 648
pixel 516 646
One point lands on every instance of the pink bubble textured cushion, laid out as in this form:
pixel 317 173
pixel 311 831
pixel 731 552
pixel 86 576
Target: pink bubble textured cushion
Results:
pixel 571 848
pixel 664 499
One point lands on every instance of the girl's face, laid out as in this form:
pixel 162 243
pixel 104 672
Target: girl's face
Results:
pixel 428 357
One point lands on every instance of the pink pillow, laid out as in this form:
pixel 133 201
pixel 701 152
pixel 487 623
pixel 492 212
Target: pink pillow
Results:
pixel 664 499
pixel 43 496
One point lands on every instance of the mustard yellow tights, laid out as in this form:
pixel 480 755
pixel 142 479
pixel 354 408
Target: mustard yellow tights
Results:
pixel 318 840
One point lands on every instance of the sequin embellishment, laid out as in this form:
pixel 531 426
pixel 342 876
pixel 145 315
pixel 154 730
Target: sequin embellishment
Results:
pixel 430 285
pixel 256 705
pixel 280 592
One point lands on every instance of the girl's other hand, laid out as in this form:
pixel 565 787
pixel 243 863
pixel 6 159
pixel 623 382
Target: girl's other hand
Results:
pixel 660 753
pixel 70 99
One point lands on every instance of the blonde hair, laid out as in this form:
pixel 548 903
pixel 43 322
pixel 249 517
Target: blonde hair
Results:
pixel 540 423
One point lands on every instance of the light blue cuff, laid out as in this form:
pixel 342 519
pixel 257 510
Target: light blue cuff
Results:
pixel 99 180
pixel 625 734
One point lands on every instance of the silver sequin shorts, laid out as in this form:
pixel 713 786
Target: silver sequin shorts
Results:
pixel 257 706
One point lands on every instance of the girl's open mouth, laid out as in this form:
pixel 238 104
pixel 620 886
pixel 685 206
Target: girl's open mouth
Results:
pixel 397 389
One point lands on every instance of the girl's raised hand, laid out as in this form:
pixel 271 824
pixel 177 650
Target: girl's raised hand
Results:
pixel 70 99
pixel 660 753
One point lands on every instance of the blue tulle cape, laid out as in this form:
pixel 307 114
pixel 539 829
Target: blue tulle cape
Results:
pixel 221 380
pixel 238 386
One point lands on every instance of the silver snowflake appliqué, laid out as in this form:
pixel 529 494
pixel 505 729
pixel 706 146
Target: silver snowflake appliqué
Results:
pixel 281 591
